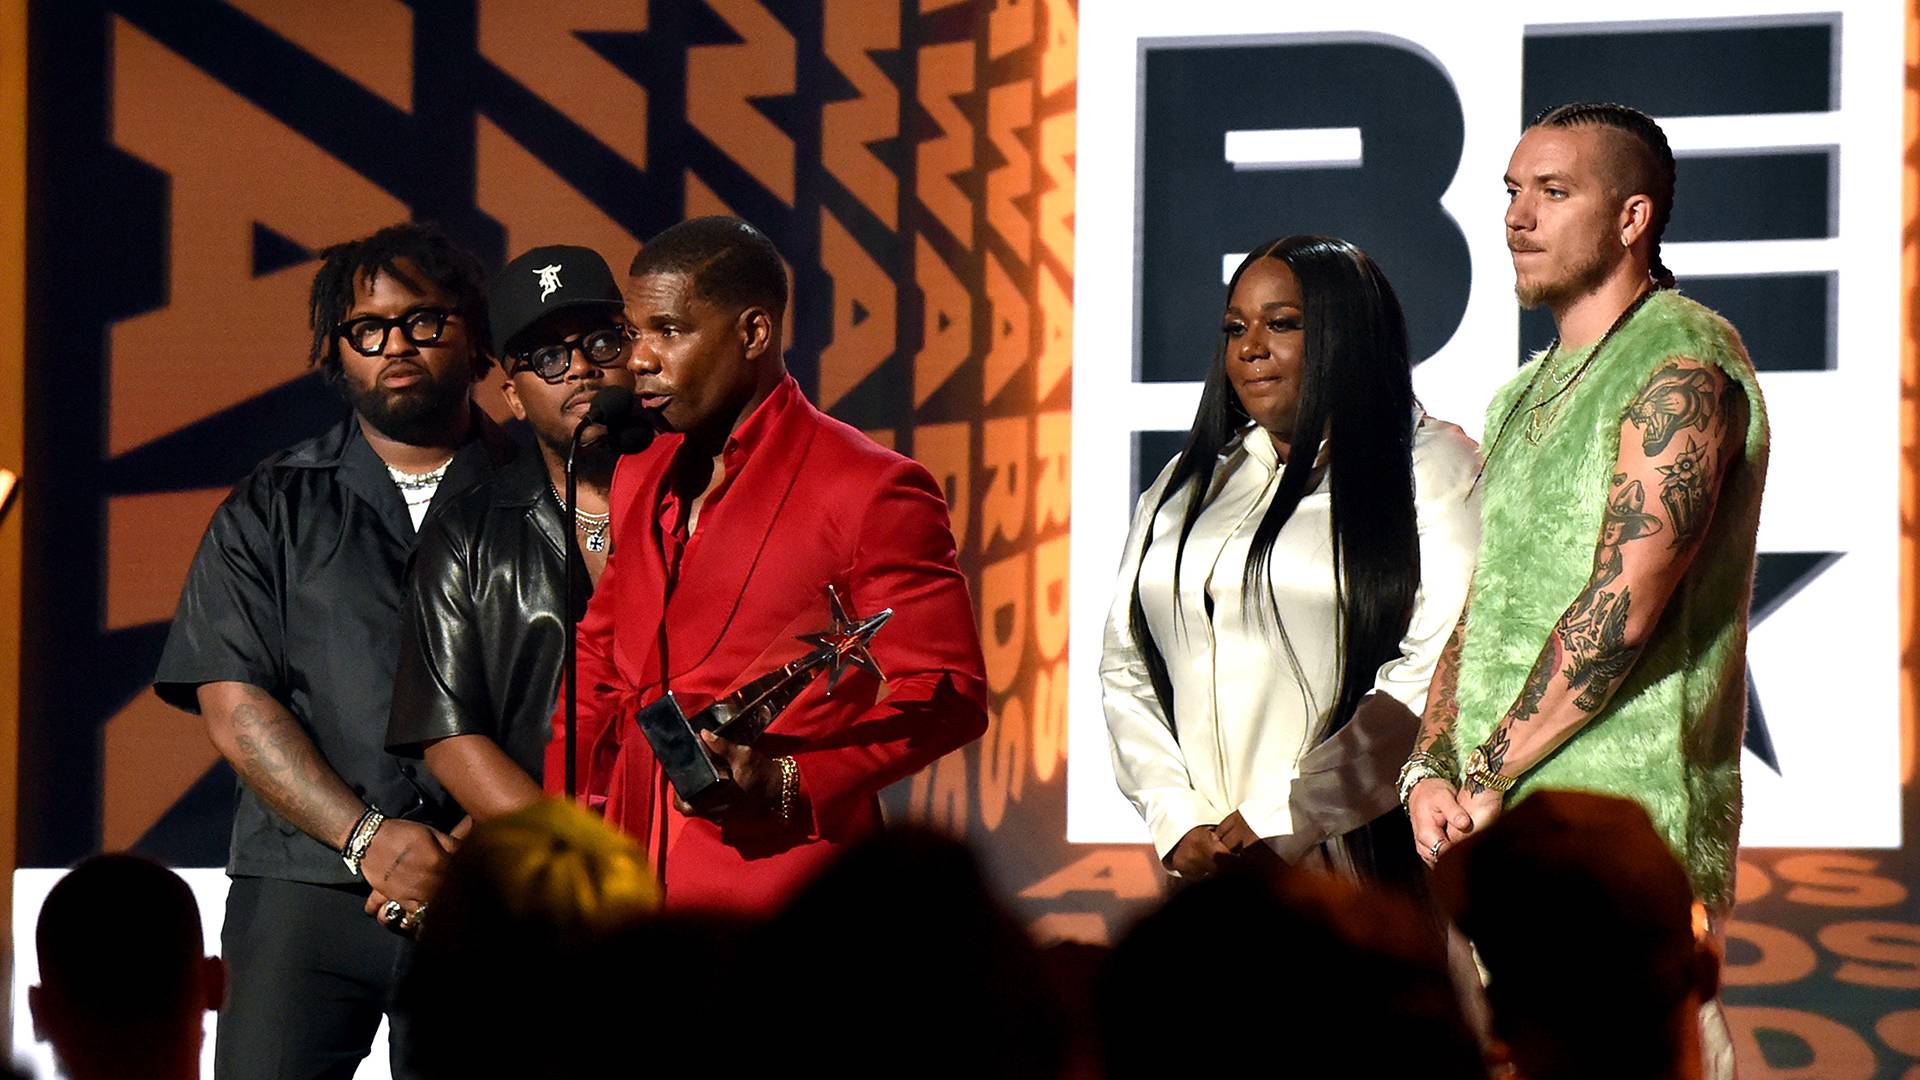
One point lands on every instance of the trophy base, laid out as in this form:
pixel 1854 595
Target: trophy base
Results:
pixel 698 779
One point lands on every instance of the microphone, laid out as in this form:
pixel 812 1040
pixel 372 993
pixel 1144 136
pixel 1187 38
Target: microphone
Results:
pixel 610 406
pixel 629 430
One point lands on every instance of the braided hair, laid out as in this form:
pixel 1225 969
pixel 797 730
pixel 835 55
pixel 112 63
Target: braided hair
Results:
pixel 1648 170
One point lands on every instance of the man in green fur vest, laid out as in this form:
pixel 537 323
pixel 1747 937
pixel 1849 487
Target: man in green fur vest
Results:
pixel 1604 642
pixel 1603 646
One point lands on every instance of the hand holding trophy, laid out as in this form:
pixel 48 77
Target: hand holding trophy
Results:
pixel 708 756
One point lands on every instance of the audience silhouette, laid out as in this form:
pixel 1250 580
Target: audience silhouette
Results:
pixel 545 953
pixel 1596 958
pixel 124 980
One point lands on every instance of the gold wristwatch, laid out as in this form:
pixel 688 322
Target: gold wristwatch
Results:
pixel 1479 773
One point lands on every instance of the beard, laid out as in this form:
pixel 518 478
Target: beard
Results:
pixel 598 452
pixel 418 415
pixel 1586 273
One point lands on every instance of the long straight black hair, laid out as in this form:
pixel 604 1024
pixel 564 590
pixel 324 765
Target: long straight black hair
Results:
pixel 1357 393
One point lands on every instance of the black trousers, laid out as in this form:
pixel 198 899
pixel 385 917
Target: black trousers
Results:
pixel 308 976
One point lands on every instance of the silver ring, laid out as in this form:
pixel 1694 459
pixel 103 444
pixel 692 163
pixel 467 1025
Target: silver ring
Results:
pixel 391 913
pixel 410 922
pixel 1435 849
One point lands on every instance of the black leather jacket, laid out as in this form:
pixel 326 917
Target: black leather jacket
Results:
pixel 484 634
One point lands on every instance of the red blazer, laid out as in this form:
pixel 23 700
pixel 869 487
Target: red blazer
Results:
pixel 807 501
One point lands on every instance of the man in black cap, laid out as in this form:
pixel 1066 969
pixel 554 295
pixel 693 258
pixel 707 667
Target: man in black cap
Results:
pixel 485 631
pixel 284 642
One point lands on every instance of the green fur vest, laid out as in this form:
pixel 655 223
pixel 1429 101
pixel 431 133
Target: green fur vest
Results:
pixel 1670 738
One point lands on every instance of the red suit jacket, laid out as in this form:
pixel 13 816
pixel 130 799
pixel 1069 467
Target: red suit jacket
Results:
pixel 807 501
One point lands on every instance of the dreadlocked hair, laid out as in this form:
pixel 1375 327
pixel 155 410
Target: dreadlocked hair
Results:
pixel 1649 173
pixel 408 252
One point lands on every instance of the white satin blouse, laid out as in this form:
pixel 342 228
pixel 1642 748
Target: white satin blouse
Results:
pixel 1244 714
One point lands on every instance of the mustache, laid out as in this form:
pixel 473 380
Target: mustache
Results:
pixel 403 367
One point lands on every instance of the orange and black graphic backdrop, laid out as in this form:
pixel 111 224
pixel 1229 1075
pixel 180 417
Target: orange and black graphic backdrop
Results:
pixel 915 164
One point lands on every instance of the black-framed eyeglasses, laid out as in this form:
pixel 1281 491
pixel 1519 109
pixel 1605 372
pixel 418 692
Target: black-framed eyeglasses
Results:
pixel 367 335
pixel 602 348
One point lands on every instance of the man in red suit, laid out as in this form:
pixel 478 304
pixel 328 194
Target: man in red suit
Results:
pixel 727 534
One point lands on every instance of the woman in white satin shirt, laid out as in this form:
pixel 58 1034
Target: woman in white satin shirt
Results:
pixel 1327 558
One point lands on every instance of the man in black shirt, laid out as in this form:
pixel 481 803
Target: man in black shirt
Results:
pixel 485 631
pixel 284 642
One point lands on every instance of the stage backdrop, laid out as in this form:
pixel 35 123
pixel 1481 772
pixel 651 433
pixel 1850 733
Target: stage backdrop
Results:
pixel 916 164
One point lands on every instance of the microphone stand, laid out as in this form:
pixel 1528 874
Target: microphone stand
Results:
pixel 571 663
pixel 611 407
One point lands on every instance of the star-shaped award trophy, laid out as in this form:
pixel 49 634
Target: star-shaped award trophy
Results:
pixel 742 715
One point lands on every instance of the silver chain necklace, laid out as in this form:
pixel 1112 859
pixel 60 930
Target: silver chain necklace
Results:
pixel 592 527
pixel 416 488
pixel 1536 424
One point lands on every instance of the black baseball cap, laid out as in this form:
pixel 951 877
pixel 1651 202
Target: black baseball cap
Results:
pixel 545 280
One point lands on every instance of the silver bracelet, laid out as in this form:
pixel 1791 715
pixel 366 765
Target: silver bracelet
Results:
pixel 361 839
pixel 1418 768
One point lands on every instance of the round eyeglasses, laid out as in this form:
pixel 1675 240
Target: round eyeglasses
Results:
pixel 602 348
pixel 367 335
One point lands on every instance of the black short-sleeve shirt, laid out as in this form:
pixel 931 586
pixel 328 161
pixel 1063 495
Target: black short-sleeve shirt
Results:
pixel 296 589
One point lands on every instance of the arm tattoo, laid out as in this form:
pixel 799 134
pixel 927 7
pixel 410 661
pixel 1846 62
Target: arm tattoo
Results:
pixel 279 762
pixel 1496 750
pixel 1526 708
pixel 1443 706
pixel 1535 688
pixel 1594 630
pixel 1686 491
pixel 1626 520
pixel 1591 636
pixel 1595 636
pixel 1677 399
pixel 1446 681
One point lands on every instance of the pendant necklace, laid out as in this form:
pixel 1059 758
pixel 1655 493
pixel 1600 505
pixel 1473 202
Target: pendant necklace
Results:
pixel 592 527
pixel 1539 416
